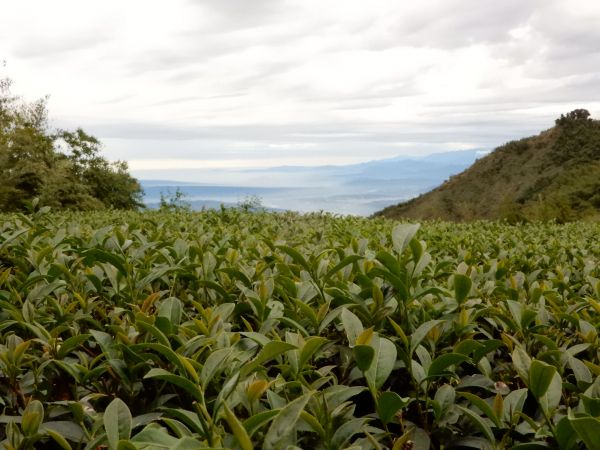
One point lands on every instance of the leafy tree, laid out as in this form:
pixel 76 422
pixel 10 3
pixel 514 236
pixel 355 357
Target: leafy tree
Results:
pixel 576 114
pixel 174 201
pixel 64 169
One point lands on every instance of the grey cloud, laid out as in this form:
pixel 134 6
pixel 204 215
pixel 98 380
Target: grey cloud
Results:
pixel 557 63
pixel 455 24
pixel 557 45
pixel 241 13
pixel 439 128
pixel 381 94
pixel 195 98
pixel 353 105
pixel 38 46
pixel 118 99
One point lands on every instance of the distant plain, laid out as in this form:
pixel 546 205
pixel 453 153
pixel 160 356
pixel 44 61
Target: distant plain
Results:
pixel 356 189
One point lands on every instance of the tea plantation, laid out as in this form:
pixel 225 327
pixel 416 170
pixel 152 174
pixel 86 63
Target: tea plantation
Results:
pixel 233 329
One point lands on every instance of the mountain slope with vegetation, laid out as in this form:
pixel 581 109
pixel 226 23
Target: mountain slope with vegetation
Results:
pixel 554 175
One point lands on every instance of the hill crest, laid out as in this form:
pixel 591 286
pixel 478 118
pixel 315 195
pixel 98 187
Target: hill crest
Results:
pixel 553 175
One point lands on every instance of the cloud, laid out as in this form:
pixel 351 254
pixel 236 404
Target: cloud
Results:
pixel 262 79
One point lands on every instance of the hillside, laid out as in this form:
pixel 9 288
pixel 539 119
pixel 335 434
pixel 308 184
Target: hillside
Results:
pixel 554 175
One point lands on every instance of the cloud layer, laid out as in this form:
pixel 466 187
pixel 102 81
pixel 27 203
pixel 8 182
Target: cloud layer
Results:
pixel 240 82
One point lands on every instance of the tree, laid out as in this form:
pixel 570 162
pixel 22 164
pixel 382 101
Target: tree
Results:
pixel 576 114
pixel 64 169
pixel 108 182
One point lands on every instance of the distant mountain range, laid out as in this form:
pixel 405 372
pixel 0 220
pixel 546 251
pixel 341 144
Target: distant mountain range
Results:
pixel 359 189
pixel 554 175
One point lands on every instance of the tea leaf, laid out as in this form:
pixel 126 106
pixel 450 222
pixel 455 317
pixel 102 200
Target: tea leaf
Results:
pixel 402 235
pixel 117 422
pixel 383 362
pixel 540 377
pixel 284 422
pixel 388 404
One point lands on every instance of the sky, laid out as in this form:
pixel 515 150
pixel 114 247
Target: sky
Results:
pixel 259 83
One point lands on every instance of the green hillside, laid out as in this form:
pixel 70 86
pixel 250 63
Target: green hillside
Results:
pixel 554 175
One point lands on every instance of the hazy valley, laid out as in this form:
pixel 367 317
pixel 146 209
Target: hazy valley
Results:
pixel 358 189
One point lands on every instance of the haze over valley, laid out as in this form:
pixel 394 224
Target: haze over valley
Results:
pixel 357 189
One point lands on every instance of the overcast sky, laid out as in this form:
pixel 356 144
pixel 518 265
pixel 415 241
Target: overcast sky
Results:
pixel 224 83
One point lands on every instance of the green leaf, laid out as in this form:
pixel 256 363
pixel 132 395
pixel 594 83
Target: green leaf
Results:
pixel 442 362
pixel 348 429
pixel 388 404
pixel 95 255
pixel 214 364
pixel 215 287
pixel 394 280
pixel 479 423
pixel 187 385
pixel 588 429
pixel 126 445
pixel 280 430
pixel 155 435
pixel 268 352
pixel 66 429
pixel 314 423
pixel 417 337
pixel 59 439
pixel 343 263
pixel 152 276
pixel 540 377
pixel 352 326
pixel 591 405
pixel 383 362
pixel 189 443
pixel 531 446
pixel 70 344
pixel 117 422
pixel 467 346
pixel 154 331
pixel 252 424
pixel 483 406
pixel 462 287
pixel 566 437
pixel 238 430
pixel 522 363
pixel 402 234
pixel 580 370
pixel 513 404
pixel 338 394
pixel 32 418
pixel 165 351
pixel 310 347
pixel 551 399
pixel 188 418
pixel 363 355
pixel 296 256
pixel 443 400
pixel 171 309
pixel 105 342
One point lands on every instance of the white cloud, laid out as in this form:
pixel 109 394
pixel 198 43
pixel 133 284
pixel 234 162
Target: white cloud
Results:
pixel 245 82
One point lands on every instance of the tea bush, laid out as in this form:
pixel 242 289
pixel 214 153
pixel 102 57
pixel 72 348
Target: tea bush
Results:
pixel 234 329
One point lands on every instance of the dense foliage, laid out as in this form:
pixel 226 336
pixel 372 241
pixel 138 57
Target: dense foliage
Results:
pixel 63 169
pixel 555 175
pixel 232 329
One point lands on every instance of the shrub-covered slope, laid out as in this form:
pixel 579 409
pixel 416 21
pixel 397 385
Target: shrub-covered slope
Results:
pixel 554 175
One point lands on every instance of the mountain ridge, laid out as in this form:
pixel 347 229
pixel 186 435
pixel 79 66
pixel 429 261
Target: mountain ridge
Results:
pixel 553 175
pixel 359 189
